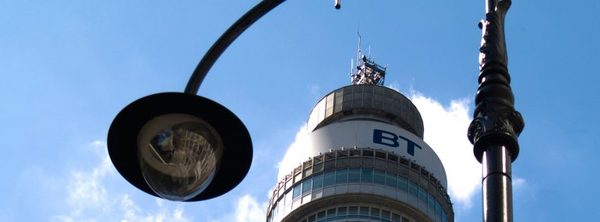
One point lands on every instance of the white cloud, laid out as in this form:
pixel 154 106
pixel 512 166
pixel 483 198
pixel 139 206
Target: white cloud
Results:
pixel 446 133
pixel 89 197
pixel 295 153
pixel 314 90
pixel 85 190
pixel 518 182
pixel 249 210
pixel 132 213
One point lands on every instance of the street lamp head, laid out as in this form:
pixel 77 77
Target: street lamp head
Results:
pixel 180 146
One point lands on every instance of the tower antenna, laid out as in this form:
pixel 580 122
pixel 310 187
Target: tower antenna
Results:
pixel 358 52
pixel 367 71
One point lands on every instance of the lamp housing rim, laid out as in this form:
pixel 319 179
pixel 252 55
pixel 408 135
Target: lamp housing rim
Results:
pixel 237 145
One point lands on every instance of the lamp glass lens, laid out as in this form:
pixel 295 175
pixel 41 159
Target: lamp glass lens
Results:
pixel 179 155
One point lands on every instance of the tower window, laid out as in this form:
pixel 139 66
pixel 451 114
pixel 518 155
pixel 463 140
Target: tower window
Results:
pixel 318 181
pixel 353 210
pixel 296 191
pixel 329 179
pixel 367 175
pixel 379 177
pixel 341 176
pixel 353 175
pixel 307 185
pixel 364 212
pixel 331 213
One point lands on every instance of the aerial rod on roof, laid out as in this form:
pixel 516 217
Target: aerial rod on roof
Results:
pixel 358 51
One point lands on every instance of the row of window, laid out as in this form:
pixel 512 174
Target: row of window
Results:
pixel 328 161
pixel 355 212
pixel 358 175
pixel 363 176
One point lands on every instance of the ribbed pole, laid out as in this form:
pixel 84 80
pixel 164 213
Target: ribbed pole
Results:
pixel 496 124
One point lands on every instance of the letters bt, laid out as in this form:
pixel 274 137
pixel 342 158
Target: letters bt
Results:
pixel 391 139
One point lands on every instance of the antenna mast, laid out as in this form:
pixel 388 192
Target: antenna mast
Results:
pixel 367 71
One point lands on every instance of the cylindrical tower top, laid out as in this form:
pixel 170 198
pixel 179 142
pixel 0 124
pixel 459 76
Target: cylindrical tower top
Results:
pixel 366 100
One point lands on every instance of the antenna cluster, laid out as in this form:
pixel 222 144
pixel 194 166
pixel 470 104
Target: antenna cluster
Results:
pixel 366 71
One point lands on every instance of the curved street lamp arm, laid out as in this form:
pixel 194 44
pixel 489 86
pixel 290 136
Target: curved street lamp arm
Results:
pixel 225 40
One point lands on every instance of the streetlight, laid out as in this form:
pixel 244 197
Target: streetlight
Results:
pixel 181 146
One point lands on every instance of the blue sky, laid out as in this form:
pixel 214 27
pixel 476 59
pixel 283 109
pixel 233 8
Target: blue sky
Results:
pixel 68 67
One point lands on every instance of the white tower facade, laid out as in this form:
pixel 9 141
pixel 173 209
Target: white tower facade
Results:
pixel 366 161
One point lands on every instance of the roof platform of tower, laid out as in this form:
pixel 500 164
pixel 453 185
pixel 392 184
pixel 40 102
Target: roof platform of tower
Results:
pixel 367 100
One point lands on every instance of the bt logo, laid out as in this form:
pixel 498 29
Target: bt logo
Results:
pixel 390 139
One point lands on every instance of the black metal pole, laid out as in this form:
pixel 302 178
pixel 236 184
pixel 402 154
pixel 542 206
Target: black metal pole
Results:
pixel 496 124
pixel 497 188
